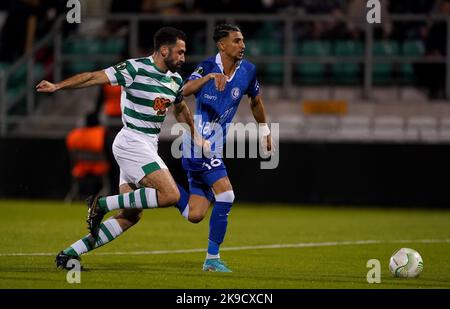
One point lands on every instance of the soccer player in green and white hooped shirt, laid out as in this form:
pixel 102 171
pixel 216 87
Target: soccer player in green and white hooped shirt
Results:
pixel 149 86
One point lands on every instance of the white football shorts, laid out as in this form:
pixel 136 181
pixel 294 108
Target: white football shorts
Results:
pixel 137 155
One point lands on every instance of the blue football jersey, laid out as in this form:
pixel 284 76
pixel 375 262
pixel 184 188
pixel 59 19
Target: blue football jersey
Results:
pixel 216 109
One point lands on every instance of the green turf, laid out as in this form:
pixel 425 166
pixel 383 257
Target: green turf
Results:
pixel 48 227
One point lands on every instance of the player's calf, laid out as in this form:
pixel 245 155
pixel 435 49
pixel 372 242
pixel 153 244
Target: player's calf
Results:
pixel 128 217
pixel 198 208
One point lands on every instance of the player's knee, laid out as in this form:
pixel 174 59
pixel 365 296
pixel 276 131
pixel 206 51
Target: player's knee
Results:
pixel 196 217
pixel 174 196
pixel 227 197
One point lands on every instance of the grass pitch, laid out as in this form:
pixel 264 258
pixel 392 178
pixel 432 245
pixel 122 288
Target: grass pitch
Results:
pixel 270 247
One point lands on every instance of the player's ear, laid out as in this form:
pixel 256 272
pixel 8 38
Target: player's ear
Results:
pixel 221 45
pixel 164 51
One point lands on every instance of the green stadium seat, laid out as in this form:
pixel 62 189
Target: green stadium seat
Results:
pixel 82 46
pixel 4 66
pixel 18 77
pixel 79 67
pixel 347 73
pixel 198 46
pixel 412 49
pixel 273 71
pixel 253 48
pixel 113 46
pixel 313 73
pixel 39 71
pixel 382 72
pixel 265 43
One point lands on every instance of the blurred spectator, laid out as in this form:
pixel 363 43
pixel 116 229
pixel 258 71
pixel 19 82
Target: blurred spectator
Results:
pixel 148 27
pixel 19 30
pixel 230 6
pixel 411 6
pixel 26 22
pixel 433 75
pixel 88 164
pixel 320 6
pixel 412 29
pixel 121 6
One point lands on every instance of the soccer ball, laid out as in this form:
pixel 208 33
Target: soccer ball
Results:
pixel 406 263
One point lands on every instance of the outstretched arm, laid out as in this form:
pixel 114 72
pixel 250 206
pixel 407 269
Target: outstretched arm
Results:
pixel 259 113
pixel 82 80
pixel 193 86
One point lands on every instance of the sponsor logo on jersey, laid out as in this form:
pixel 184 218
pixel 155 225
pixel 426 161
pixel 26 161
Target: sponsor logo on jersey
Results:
pixel 120 66
pixel 199 70
pixel 160 105
pixel 210 97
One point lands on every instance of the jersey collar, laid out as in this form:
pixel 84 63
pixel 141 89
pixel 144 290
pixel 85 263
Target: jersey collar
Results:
pixel 220 65
pixel 156 67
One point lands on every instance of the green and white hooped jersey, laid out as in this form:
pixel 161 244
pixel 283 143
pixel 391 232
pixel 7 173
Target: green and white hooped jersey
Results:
pixel 146 93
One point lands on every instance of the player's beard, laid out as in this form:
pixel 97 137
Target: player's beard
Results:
pixel 171 64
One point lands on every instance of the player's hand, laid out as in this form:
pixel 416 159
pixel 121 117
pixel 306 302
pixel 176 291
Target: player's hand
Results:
pixel 220 80
pixel 204 144
pixel 268 145
pixel 206 147
pixel 45 86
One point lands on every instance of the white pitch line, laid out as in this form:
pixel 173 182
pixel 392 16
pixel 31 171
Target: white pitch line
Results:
pixel 275 246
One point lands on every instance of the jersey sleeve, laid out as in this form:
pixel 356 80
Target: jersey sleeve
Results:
pixel 122 74
pixel 179 96
pixel 200 71
pixel 253 87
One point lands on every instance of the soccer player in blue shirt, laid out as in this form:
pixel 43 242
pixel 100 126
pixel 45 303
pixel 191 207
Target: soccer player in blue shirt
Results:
pixel 218 83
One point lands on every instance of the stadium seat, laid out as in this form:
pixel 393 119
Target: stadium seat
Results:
pixel 83 46
pixel 253 48
pixel 383 72
pixel 347 73
pixel 274 71
pixel 4 66
pixel 313 73
pixel 113 46
pixel 268 43
pixel 413 48
pixel 410 49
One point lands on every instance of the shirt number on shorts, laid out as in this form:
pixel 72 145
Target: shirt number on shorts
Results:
pixel 213 163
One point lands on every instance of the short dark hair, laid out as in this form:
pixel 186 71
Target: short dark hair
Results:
pixel 223 30
pixel 167 36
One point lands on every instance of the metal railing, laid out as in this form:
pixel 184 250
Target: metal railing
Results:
pixel 28 93
pixel 288 59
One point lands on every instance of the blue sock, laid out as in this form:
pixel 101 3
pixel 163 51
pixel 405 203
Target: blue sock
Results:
pixel 219 221
pixel 213 247
pixel 184 198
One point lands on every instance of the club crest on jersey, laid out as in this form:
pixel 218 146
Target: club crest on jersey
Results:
pixel 160 105
pixel 235 92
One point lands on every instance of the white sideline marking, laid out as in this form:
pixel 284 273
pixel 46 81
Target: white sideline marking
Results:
pixel 275 246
